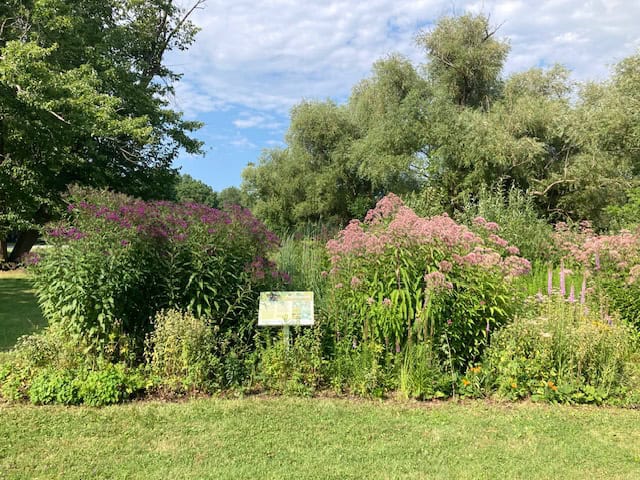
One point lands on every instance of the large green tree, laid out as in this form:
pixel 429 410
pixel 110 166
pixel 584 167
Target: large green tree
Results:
pixel 84 100
pixel 340 159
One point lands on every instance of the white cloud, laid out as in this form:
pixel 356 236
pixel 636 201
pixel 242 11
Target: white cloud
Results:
pixel 266 122
pixel 266 55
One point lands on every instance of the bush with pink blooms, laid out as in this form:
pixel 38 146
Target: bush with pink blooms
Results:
pixel 116 261
pixel 400 280
pixel 611 263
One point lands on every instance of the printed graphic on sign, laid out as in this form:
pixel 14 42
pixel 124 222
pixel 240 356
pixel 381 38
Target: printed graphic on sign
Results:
pixel 285 308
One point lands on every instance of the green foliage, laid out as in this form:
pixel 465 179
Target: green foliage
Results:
pixel 54 386
pixel 84 101
pixel 363 369
pixel 421 374
pixel 398 279
pixel 119 261
pixel 561 352
pixel 465 59
pixel 292 367
pixel 340 159
pixel 518 218
pixel 626 215
pixel 190 190
pixel 113 383
pixel 182 353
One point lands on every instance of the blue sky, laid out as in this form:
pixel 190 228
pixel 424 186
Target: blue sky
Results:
pixel 254 60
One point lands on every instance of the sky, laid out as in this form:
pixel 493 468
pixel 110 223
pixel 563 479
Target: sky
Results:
pixel 254 60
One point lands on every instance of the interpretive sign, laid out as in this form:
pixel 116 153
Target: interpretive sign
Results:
pixel 286 309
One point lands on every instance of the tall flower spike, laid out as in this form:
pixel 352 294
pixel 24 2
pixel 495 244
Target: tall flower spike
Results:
pixel 563 290
pixel 583 290
pixel 572 295
pixel 550 281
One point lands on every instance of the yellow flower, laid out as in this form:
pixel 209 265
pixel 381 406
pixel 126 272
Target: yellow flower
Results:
pixel 476 369
pixel 465 382
pixel 552 385
pixel 514 385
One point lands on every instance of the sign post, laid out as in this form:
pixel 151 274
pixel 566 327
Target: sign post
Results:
pixel 285 309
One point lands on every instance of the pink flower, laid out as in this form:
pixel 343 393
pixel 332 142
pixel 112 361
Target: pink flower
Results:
pixel 512 250
pixel 355 282
pixel 445 266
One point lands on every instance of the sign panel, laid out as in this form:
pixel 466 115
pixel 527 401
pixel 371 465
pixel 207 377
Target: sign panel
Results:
pixel 285 309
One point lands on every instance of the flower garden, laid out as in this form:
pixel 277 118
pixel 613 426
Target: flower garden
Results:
pixel 159 300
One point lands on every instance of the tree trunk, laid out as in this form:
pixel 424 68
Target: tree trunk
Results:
pixel 26 240
pixel 4 255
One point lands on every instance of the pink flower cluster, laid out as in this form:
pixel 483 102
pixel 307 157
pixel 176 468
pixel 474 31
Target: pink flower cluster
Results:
pixel 620 251
pixel 391 224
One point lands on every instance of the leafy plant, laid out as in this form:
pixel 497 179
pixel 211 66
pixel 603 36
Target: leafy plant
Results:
pixel 399 279
pixel 118 261
pixel 182 353
pixel 294 368
pixel 564 352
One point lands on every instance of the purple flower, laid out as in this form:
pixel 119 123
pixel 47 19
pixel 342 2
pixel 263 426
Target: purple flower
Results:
pixel 572 295
pixel 550 282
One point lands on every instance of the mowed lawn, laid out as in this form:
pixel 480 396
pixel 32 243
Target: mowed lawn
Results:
pixel 288 438
pixel 19 312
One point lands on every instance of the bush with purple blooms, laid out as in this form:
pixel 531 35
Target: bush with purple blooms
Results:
pixel 399 279
pixel 116 261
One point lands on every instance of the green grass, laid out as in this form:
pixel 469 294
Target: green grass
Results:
pixel 19 312
pixel 318 439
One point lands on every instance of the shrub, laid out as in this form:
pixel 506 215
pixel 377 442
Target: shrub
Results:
pixel 563 352
pixel 294 368
pixel 111 383
pixel 117 261
pixel 421 374
pixel 518 218
pixel 364 369
pixel 399 279
pixel 51 385
pixel 612 263
pixel 181 353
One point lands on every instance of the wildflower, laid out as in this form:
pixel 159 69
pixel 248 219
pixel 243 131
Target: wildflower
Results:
pixel 563 290
pixel 514 385
pixel 355 282
pixel 324 274
pixel 386 302
pixel 445 266
pixel 572 295
pixel 549 281
pixel 437 281
pixel 492 226
pixel 465 382
pixel 370 301
pixel 476 370
pixel 512 250
pixel 552 385
pixel 583 290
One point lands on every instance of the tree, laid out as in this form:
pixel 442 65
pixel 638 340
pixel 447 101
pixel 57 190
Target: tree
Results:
pixel 83 100
pixel 465 59
pixel 190 190
pixel 340 159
